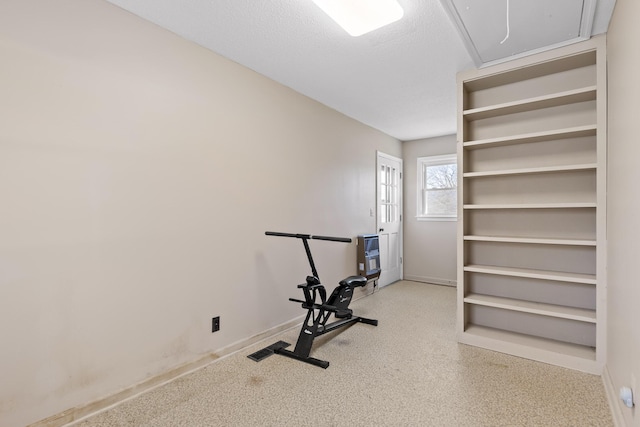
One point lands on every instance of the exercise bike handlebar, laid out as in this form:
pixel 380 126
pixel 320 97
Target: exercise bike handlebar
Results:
pixel 309 236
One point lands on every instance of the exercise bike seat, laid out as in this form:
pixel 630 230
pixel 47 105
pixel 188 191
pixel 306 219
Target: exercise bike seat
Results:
pixel 354 281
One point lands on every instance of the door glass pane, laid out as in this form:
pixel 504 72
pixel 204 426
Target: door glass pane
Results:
pixel 389 191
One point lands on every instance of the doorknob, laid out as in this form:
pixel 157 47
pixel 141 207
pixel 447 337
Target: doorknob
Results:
pixel 381 230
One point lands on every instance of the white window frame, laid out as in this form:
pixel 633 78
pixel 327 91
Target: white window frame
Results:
pixel 423 163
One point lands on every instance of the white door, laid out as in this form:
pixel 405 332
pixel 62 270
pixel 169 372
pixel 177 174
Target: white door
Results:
pixel 389 218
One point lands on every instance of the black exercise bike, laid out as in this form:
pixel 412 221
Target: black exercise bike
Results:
pixel 319 308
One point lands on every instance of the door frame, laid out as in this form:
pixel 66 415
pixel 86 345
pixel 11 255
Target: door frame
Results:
pixel 380 154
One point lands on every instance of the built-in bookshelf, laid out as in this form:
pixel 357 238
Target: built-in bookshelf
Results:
pixel 532 206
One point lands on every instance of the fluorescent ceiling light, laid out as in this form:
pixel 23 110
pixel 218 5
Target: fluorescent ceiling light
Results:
pixel 358 17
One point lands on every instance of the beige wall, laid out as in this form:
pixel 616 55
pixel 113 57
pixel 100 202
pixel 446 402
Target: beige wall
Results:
pixel 623 228
pixel 429 246
pixel 138 173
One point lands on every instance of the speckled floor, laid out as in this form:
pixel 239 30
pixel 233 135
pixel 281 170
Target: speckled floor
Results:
pixel 408 371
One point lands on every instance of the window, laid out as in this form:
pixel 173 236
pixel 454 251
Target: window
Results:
pixel 437 188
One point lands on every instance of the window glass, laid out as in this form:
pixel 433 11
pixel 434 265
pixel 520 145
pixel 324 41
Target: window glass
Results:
pixel 437 187
pixel 389 194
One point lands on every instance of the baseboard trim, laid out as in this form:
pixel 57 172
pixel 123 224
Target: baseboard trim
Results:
pixel 79 413
pixel 434 280
pixel 612 397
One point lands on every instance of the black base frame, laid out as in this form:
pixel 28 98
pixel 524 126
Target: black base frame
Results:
pixel 305 341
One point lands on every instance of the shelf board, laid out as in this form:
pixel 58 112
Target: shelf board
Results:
pixel 525 138
pixel 542 309
pixel 532 240
pixel 530 171
pixel 532 205
pixel 558 65
pixel 546 101
pixel 589 279
pixel 530 346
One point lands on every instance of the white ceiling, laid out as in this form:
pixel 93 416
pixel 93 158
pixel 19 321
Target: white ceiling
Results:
pixel 399 79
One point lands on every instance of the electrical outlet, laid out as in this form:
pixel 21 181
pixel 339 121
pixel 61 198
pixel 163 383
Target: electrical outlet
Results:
pixel 215 324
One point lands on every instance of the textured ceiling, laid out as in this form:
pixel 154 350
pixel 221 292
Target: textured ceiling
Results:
pixel 399 79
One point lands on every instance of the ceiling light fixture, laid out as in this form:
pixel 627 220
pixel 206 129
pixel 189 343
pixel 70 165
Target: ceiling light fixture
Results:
pixel 358 17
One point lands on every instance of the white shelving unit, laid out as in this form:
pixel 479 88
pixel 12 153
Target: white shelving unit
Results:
pixel 532 198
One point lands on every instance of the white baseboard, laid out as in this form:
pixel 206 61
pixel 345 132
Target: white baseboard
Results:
pixel 434 280
pixel 75 415
pixel 79 413
pixel 612 397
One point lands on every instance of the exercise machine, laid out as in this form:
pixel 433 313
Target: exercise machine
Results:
pixel 319 308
